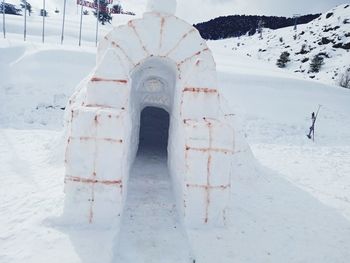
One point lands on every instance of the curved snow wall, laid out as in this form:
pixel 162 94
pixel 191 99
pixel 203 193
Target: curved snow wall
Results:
pixel 158 61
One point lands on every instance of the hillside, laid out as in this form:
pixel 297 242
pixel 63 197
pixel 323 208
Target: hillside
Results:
pixel 327 35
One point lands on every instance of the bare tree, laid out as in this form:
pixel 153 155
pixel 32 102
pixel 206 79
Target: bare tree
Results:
pixel 260 28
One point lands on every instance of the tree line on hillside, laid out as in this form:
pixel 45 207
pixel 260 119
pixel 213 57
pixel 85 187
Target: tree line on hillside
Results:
pixel 238 25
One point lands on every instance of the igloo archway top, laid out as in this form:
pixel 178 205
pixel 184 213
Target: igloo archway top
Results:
pixel 161 61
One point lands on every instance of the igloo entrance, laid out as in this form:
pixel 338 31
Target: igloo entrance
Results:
pixel 154 131
pixel 152 89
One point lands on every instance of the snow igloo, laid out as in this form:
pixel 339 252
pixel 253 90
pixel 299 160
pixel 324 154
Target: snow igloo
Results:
pixel 158 61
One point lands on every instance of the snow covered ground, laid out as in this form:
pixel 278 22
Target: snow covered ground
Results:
pixel 291 205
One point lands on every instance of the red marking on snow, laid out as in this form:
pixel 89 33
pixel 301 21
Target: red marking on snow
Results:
pixel 99 106
pixel 92 181
pixel 194 55
pixel 162 22
pixel 97 79
pixel 123 51
pixel 208 149
pixel 208 174
pixel 98 139
pixel 198 90
pixel 209 186
pixel 131 24
pixel 180 40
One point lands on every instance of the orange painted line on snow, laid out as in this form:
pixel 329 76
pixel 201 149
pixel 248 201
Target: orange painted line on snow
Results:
pixel 96 79
pixel 210 149
pixel 204 90
pixel 93 181
pixel 94 138
pixel 209 186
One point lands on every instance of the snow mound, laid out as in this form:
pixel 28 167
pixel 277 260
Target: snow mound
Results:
pixel 162 6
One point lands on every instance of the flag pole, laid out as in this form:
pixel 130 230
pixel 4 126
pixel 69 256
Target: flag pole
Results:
pixel 44 15
pixel 97 18
pixel 64 17
pixel 3 18
pixel 81 24
pixel 25 21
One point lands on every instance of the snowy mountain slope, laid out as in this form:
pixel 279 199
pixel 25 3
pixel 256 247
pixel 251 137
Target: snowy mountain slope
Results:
pixel 292 205
pixel 329 34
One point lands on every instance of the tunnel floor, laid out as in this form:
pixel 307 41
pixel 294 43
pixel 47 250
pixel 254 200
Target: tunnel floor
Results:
pixel 150 227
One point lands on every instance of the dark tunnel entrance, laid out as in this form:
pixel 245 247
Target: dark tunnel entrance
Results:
pixel 154 131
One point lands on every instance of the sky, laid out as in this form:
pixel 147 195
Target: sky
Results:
pixel 201 10
pixel 205 9
pixel 194 11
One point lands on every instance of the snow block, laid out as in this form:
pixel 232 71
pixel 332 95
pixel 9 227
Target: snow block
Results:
pixel 209 145
pixel 111 67
pixel 111 93
pixel 193 100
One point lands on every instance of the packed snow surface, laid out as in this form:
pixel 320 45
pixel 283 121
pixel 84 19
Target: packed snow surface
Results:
pixel 291 205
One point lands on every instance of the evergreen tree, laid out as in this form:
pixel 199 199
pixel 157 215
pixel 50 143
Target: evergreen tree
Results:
pixel 104 15
pixel 9 9
pixel 283 60
pixel 316 63
pixel 26 5
pixel 117 9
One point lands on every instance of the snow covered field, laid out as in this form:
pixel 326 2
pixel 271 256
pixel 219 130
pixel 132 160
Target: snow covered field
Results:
pixel 291 205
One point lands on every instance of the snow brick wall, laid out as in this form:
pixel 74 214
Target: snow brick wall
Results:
pixel 158 61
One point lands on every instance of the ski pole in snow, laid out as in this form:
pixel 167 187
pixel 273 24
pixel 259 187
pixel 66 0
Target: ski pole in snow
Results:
pixel 81 24
pixel 64 17
pixel 25 21
pixel 97 18
pixel 3 18
pixel 43 14
pixel 311 134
